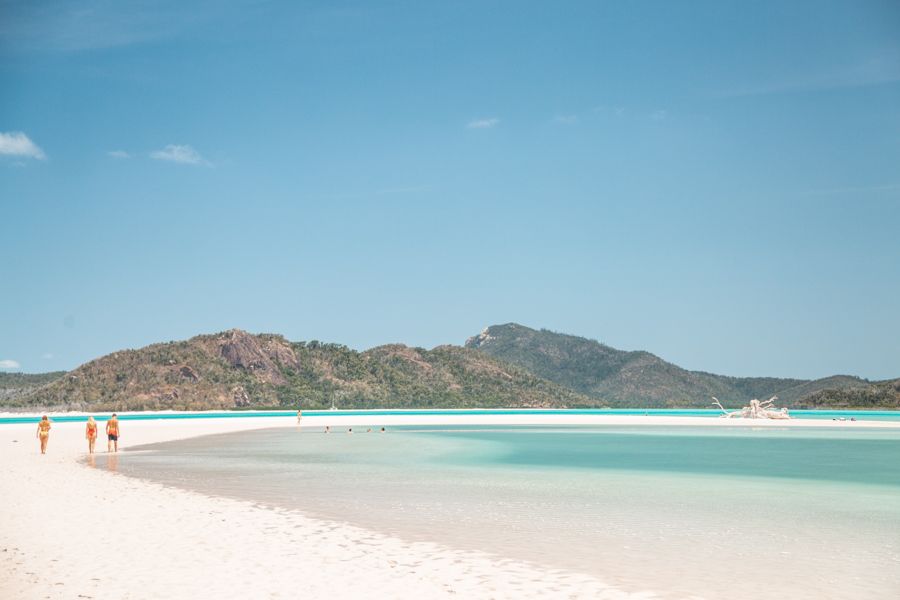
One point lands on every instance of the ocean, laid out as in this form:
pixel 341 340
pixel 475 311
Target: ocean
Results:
pixel 737 512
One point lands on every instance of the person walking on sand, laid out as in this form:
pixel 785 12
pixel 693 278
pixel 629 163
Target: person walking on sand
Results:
pixel 90 434
pixel 43 433
pixel 112 433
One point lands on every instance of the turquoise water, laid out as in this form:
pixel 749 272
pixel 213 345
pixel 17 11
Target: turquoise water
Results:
pixel 679 510
pixel 869 415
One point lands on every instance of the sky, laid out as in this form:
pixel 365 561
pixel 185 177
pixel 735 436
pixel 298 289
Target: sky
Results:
pixel 715 182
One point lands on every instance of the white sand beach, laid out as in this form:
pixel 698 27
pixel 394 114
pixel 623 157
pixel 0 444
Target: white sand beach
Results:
pixel 68 530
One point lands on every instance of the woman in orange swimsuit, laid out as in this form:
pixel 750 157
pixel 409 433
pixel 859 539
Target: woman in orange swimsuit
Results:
pixel 43 433
pixel 90 434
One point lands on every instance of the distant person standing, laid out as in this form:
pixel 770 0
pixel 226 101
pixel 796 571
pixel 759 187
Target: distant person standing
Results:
pixel 43 433
pixel 299 416
pixel 90 434
pixel 112 433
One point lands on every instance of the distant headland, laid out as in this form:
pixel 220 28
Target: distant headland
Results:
pixel 504 366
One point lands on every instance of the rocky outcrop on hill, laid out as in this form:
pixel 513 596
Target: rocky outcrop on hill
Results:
pixel 264 357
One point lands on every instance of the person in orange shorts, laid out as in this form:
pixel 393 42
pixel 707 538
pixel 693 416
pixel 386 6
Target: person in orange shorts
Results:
pixel 90 434
pixel 43 433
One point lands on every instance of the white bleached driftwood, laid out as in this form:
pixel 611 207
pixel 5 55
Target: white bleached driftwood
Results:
pixel 756 410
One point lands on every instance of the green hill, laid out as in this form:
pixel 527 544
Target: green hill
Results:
pixel 621 378
pixel 13 385
pixel 235 369
pixel 504 366
pixel 882 394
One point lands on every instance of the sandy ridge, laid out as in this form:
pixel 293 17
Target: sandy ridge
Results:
pixel 71 531
pixel 68 530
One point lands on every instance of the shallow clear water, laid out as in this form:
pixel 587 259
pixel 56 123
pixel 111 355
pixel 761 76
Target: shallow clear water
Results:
pixel 716 512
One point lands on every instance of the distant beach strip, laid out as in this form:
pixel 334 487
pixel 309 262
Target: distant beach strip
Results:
pixel 470 414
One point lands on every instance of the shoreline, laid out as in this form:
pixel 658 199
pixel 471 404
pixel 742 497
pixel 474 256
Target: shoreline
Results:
pixel 69 530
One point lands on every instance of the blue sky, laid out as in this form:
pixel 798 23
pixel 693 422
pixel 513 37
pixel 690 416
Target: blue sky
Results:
pixel 716 182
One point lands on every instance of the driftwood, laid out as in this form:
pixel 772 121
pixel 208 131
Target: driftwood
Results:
pixel 756 410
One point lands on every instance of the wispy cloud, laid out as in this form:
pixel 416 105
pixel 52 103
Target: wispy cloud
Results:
pixel 565 119
pixel 9 364
pixel 182 154
pixel 616 111
pixel 47 355
pixel 483 123
pixel 73 25
pixel 879 69
pixel 862 189
pixel 16 143
pixel 659 115
pixel 118 154
pixel 410 189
